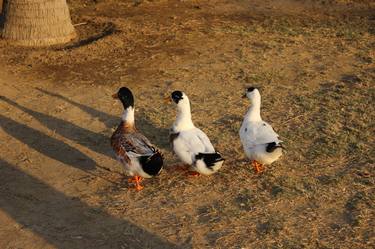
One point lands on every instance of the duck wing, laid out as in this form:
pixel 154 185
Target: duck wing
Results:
pixel 208 147
pixel 192 142
pixel 259 133
pixel 132 143
pixel 138 143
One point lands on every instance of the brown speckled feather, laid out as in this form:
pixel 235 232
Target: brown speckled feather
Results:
pixel 126 138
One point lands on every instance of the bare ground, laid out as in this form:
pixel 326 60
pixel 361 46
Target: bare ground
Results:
pixel 314 64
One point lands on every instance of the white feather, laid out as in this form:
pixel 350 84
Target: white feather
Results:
pixel 190 143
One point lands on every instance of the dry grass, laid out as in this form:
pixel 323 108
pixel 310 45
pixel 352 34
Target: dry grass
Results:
pixel 316 76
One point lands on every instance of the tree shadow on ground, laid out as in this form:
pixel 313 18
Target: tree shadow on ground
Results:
pixel 157 135
pixel 47 145
pixel 66 222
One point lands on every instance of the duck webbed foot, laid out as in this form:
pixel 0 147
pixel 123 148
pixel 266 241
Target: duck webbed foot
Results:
pixel 258 167
pixel 137 181
pixel 193 173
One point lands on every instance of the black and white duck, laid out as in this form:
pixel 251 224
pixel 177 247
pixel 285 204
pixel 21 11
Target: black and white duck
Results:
pixel 191 144
pixel 260 142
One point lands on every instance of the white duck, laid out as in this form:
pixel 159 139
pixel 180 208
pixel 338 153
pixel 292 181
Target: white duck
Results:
pixel 190 144
pixel 260 142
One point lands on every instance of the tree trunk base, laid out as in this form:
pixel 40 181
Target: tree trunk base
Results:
pixel 37 23
pixel 42 42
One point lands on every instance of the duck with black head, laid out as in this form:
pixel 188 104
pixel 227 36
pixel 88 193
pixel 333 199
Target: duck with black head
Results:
pixel 190 144
pixel 139 157
pixel 260 142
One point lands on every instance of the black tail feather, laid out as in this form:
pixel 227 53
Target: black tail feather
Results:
pixel 271 147
pixel 153 164
pixel 210 158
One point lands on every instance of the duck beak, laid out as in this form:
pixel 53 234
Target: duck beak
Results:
pixel 115 96
pixel 167 100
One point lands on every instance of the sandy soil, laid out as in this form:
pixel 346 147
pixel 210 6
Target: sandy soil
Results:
pixel 314 63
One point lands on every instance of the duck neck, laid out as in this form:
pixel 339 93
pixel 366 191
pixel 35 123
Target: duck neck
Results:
pixel 253 114
pixel 183 119
pixel 128 116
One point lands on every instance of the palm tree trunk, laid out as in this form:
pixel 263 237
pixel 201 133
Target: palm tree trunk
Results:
pixel 37 22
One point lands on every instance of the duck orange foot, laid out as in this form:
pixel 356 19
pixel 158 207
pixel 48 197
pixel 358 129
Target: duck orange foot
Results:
pixel 258 168
pixel 193 173
pixel 136 180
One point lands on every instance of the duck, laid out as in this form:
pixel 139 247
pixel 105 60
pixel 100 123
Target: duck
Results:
pixel 139 157
pixel 189 143
pixel 259 140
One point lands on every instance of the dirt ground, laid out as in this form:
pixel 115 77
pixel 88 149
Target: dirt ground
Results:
pixel 314 64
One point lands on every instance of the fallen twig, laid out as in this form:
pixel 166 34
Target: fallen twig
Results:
pixel 79 24
pixel 298 116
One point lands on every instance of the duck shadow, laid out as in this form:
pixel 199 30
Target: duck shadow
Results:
pixel 47 145
pixel 230 123
pixel 66 222
pixel 84 137
pixel 229 120
pixel 107 119
pixel 157 135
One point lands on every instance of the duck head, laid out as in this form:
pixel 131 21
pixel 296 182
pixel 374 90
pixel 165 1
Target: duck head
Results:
pixel 125 96
pixel 180 99
pixel 183 119
pixel 253 94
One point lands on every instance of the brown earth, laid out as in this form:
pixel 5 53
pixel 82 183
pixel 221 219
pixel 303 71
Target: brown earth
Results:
pixel 314 63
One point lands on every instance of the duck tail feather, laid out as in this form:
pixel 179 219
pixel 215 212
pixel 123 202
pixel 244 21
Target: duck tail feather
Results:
pixel 271 147
pixel 210 159
pixel 152 164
